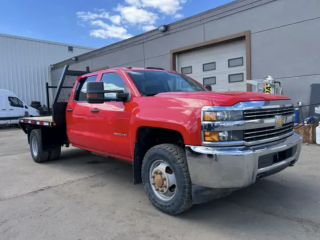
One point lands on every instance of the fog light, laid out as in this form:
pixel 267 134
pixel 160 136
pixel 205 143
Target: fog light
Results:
pixel 211 136
pixel 225 136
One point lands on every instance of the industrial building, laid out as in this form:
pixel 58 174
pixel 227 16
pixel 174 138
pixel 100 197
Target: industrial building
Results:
pixel 225 46
pixel 25 64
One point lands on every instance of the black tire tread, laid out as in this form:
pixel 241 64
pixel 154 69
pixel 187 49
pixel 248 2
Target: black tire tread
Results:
pixel 43 156
pixel 178 154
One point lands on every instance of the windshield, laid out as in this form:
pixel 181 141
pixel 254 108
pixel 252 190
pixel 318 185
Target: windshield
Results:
pixel 151 83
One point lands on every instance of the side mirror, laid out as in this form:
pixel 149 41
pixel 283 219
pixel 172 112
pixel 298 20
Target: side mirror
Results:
pixel 209 87
pixel 97 94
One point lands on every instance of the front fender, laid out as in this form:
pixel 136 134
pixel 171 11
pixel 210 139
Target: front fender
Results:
pixel 185 121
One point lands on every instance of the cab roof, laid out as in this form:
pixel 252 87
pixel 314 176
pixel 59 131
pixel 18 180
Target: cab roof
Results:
pixel 129 69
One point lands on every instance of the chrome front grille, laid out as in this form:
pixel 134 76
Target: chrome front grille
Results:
pixel 268 132
pixel 263 122
pixel 267 113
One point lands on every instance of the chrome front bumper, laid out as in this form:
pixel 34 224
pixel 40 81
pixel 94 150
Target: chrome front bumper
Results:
pixel 238 167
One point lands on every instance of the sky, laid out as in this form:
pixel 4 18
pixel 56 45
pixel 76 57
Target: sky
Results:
pixel 95 23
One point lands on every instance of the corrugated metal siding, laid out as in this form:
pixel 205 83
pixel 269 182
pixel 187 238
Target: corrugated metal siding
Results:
pixel 25 63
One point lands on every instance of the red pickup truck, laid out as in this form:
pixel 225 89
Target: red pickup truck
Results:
pixel 187 144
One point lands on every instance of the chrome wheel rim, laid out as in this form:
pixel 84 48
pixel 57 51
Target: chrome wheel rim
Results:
pixel 34 146
pixel 163 180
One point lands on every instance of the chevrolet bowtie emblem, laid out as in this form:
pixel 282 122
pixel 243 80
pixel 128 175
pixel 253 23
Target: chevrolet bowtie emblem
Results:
pixel 280 120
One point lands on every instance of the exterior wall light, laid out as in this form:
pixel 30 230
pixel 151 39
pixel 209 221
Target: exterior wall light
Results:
pixel 163 28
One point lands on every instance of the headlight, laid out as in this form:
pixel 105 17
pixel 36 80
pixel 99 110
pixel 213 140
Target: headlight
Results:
pixel 224 136
pixel 233 115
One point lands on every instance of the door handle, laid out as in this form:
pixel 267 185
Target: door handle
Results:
pixel 3 109
pixel 11 109
pixel 69 109
pixel 94 110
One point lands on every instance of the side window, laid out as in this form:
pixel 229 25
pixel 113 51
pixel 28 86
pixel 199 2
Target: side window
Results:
pixel 15 102
pixel 81 89
pixel 112 81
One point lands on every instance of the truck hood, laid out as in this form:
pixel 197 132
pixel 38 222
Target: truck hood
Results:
pixel 224 98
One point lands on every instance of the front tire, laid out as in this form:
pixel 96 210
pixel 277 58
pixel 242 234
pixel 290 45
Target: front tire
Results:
pixel 36 149
pixel 166 178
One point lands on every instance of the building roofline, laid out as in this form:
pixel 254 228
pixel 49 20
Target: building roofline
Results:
pixel 143 37
pixel 44 41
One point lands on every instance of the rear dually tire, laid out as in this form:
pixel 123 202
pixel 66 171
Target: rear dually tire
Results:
pixel 38 154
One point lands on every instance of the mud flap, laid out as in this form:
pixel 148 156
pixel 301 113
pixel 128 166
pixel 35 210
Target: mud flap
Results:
pixel 137 164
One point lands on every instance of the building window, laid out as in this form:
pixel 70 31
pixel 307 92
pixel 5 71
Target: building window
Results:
pixel 209 66
pixel 186 70
pixel 209 81
pixel 70 49
pixel 236 62
pixel 236 77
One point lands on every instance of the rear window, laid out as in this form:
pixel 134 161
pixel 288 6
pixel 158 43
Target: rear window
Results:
pixel 150 83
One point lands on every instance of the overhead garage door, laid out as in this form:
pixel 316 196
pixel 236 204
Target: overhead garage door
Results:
pixel 221 66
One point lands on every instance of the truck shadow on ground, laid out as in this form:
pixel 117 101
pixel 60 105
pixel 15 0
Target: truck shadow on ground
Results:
pixel 6 128
pixel 78 156
pixel 279 196
pixel 265 202
pixel 78 159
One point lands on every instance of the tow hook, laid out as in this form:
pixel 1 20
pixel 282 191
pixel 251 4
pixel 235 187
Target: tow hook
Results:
pixel 214 157
pixel 246 149
pixel 292 163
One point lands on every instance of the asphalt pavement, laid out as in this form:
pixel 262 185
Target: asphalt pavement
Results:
pixel 84 196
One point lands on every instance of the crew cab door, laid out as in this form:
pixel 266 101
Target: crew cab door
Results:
pixel 3 109
pixel 110 121
pixel 78 115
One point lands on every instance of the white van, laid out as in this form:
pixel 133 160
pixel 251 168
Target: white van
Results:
pixel 12 108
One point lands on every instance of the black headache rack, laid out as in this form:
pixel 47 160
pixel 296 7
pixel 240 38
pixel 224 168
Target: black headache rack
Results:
pixel 67 80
